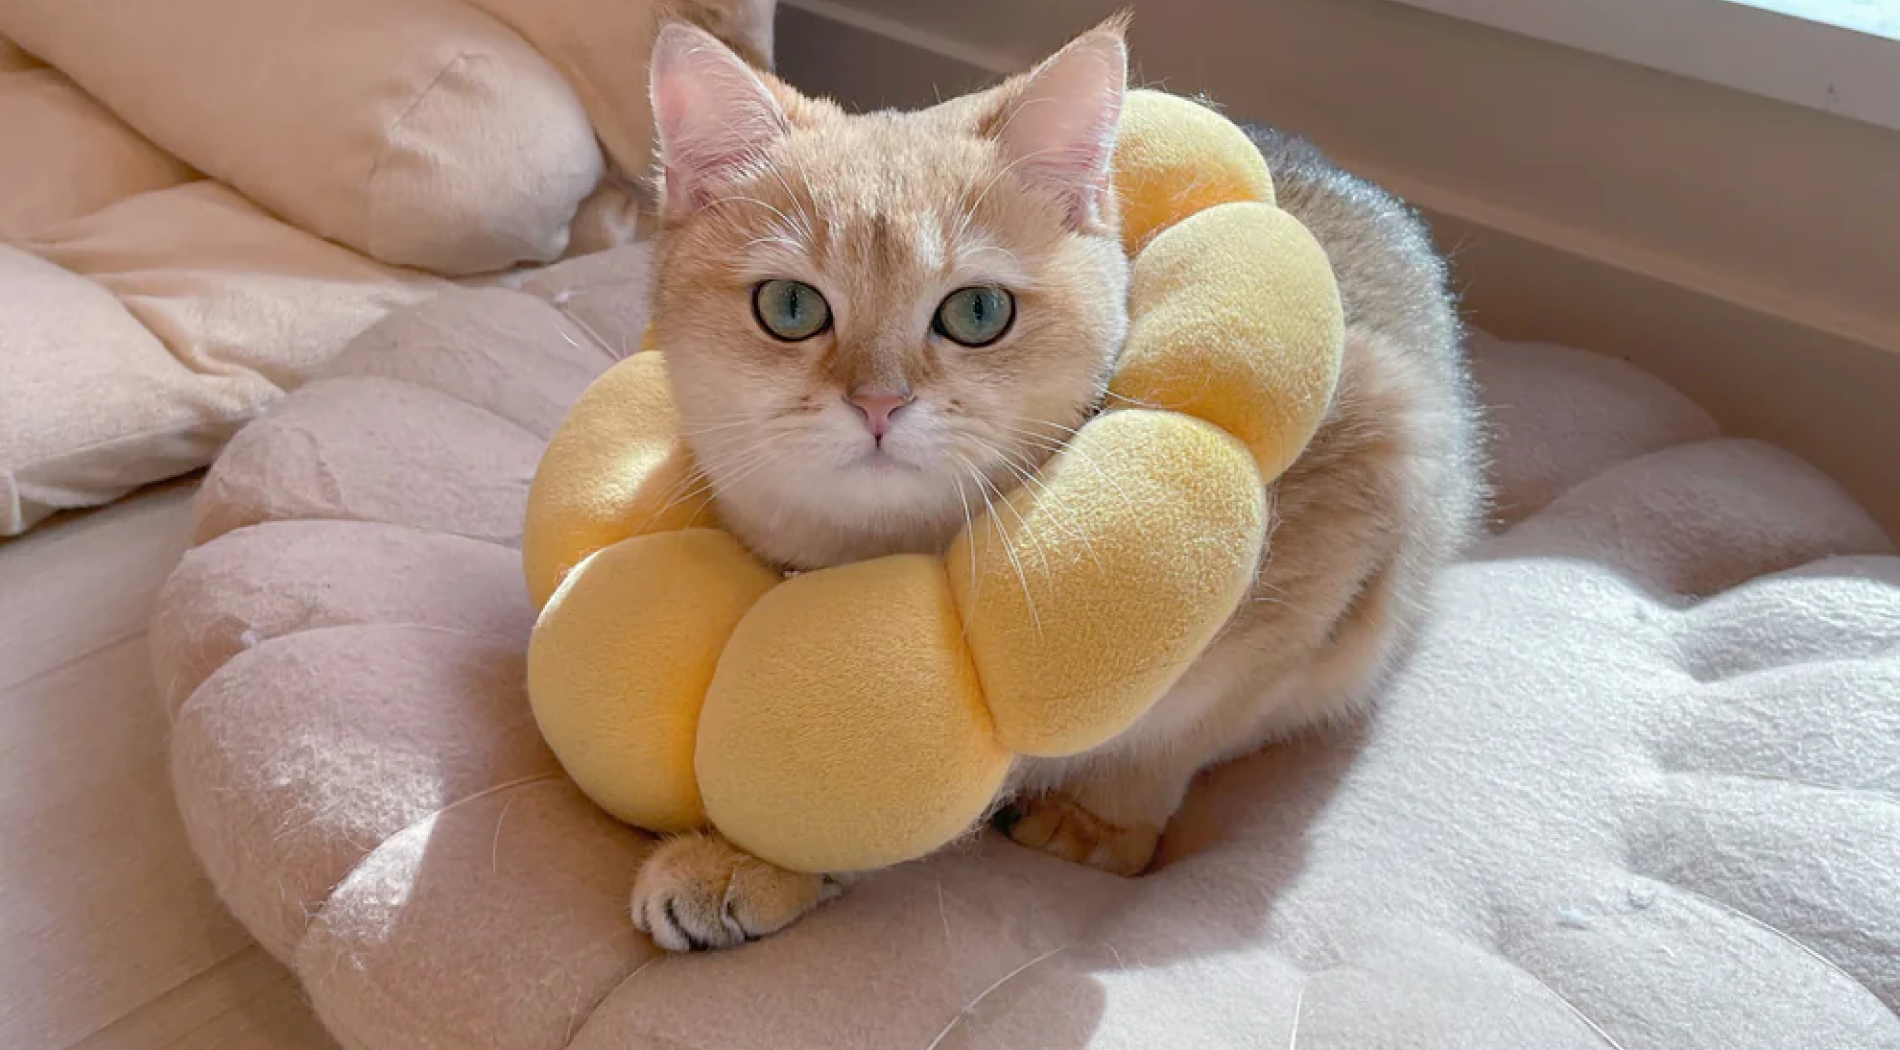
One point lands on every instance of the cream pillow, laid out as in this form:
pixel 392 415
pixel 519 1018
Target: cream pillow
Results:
pixel 12 59
pixel 420 132
pixel 63 155
pixel 140 337
pixel 93 404
pixel 226 287
pixel 601 47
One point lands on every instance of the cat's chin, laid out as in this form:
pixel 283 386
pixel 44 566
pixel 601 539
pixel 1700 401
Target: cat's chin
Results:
pixel 867 508
pixel 882 462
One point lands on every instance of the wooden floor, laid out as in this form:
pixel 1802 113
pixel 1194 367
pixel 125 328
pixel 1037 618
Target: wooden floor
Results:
pixel 109 935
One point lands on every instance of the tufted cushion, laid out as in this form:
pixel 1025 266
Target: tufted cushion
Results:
pixel 1637 787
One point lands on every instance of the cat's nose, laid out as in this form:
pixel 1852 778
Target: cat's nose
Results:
pixel 878 408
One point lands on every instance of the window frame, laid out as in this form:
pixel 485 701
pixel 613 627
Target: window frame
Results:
pixel 1762 50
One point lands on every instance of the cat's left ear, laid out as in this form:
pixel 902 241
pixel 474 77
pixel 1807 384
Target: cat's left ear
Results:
pixel 1060 129
pixel 713 115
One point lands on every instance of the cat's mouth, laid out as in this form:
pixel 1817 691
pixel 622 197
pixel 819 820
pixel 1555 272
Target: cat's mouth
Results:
pixel 881 458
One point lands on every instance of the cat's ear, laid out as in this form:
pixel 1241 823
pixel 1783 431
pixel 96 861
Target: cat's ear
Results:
pixel 1060 128
pixel 712 114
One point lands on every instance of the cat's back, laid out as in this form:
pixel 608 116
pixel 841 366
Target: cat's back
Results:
pixel 1392 278
pixel 1391 486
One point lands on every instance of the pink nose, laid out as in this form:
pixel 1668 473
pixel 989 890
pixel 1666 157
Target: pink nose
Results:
pixel 878 410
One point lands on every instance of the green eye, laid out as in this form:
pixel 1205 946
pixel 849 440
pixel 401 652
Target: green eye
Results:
pixel 790 310
pixel 975 316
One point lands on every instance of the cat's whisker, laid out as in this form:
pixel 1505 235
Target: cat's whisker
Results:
pixel 589 331
pixel 773 455
pixel 1088 459
pixel 1028 472
pixel 699 481
pixel 1132 402
pixel 969 529
pixel 970 253
pixel 1040 430
pixel 776 238
pixel 674 501
pixel 1062 515
pixel 737 199
pixel 720 428
pixel 724 416
pixel 1024 527
pixel 1047 445
pixel 802 226
pixel 695 484
pixel 969 214
pixel 757 417
pixel 1046 424
pixel 1029 532
pixel 1002 532
pixel 989 532
pixel 798 205
pixel 733 464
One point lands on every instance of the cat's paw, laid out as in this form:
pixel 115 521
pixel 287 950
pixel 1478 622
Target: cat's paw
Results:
pixel 1061 827
pixel 699 891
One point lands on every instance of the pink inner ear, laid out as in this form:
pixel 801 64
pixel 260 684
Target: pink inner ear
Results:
pixel 713 115
pixel 1061 131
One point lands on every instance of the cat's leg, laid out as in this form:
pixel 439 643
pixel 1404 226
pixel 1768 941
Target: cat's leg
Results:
pixel 699 891
pixel 1109 816
pixel 1271 676
pixel 1108 808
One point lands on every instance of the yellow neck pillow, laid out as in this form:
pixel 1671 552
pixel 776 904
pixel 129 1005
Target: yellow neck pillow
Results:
pixel 864 715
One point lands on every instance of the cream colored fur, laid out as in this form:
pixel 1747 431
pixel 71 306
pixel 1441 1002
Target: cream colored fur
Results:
pixel 885 213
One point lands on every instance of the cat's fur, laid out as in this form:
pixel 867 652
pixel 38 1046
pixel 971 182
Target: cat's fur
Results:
pixel 886 213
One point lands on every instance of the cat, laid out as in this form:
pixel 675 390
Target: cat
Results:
pixel 874 323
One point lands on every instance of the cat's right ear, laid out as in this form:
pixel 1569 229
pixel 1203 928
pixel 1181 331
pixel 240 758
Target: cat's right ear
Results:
pixel 1060 130
pixel 713 115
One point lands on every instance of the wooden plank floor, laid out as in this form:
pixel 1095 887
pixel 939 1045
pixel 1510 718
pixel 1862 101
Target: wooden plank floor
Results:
pixel 110 937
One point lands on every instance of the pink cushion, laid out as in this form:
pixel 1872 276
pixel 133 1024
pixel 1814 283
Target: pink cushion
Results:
pixel 1635 788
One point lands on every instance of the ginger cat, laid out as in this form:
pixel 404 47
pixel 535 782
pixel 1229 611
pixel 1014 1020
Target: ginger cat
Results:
pixel 877 323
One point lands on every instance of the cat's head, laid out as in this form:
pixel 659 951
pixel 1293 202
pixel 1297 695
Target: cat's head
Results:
pixel 873 322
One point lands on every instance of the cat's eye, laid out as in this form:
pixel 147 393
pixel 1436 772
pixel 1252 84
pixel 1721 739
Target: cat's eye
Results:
pixel 976 316
pixel 790 310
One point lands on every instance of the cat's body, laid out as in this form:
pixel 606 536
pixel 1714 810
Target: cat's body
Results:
pixel 1384 495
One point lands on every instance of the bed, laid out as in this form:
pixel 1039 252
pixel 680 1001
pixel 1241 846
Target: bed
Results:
pixel 1636 788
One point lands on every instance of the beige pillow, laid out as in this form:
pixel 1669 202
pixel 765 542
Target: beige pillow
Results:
pixel 12 59
pixel 219 308
pixel 65 155
pixel 93 404
pixel 421 132
pixel 601 47
pixel 229 289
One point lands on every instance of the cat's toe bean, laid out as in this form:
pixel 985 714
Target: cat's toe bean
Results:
pixel 698 892
pixel 684 916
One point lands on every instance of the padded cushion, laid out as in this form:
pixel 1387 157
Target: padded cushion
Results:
pixel 1637 787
